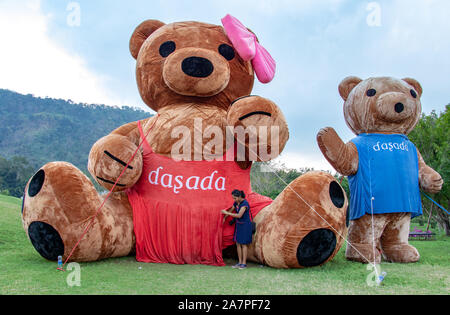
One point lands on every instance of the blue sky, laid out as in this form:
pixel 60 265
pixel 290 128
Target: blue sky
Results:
pixel 315 43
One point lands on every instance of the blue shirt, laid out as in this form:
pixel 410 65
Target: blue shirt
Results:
pixel 245 217
pixel 388 171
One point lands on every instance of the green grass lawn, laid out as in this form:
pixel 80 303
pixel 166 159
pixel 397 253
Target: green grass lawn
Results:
pixel 24 271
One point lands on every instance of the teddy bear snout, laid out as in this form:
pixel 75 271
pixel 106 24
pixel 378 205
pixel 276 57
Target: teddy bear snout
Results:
pixel 196 72
pixel 394 107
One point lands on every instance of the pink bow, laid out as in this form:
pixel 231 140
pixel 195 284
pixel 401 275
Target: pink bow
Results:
pixel 248 47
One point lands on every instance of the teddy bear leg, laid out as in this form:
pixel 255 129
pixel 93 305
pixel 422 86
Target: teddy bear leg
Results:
pixel 60 201
pixel 394 241
pixel 362 245
pixel 304 226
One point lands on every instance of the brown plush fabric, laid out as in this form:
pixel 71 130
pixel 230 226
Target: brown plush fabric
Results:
pixel 165 137
pixel 141 33
pixel 343 156
pixel 182 75
pixel 370 107
pixel 262 113
pixel 390 236
pixel 109 156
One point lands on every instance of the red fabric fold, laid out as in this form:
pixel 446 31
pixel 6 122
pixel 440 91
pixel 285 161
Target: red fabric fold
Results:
pixel 170 233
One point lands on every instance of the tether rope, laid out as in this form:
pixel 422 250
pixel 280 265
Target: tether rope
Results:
pixel 107 196
pixel 442 208
pixel 372 198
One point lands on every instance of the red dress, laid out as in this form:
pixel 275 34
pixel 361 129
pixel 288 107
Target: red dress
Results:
pixel 177 208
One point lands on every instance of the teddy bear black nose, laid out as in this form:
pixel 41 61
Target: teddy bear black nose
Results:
pixel 197 67
pixel 399 107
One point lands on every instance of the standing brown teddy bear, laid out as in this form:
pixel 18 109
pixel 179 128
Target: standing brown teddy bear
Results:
pixel 168 209
pixel 385 169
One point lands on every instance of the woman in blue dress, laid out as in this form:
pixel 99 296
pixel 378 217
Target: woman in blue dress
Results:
pixel 243 228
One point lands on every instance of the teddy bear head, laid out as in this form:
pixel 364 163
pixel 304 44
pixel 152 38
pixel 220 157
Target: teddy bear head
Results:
pixel 188 62
pixel 381 105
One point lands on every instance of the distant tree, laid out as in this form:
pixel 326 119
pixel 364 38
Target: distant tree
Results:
pixel 14 174
pixel 432 138
pixel 269 179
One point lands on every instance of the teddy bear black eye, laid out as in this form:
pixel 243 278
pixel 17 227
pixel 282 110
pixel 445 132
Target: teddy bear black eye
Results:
pixel 226 51
pixel 413 93
pixel 166 48
pixel 371 92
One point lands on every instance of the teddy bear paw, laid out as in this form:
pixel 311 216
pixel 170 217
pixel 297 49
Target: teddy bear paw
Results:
pixel 305 225
pixel 266 125
pixel 57 203
pixel 400 253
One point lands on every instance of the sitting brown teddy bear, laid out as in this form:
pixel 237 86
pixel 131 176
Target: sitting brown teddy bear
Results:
pixel 167 209
pixel 385 169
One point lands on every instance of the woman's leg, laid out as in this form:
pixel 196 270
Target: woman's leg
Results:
pixel 244 254
pixel 239 250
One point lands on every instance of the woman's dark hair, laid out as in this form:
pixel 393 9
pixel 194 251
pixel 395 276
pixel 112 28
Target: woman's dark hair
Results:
pixel 238 193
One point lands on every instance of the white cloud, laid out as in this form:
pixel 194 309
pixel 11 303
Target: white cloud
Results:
pixel 30 62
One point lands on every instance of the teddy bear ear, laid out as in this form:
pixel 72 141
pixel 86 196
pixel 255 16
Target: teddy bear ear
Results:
pixel 415 84
pixel 141 33
pixel 347 85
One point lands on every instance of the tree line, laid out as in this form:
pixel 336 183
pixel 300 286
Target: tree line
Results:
pixel 46 129
pixel 432 138
pixel 14 174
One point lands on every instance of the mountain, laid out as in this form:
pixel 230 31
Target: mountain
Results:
pixel 45 129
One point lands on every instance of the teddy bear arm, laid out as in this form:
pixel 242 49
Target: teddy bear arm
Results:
pixel 342 156
pixel 429 180
pixel 112 157
pixel 131 131
pixel 264 120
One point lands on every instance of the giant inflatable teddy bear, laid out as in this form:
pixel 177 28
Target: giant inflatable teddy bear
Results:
pixel 166 209
pixel 385 169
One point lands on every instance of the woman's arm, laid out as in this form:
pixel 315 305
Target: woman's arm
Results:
pixel 236 215
pixel 225 211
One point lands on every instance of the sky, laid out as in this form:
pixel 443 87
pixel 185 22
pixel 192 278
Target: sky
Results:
pixel 78 50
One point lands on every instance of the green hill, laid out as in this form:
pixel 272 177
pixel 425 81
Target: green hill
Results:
pixel 45 129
